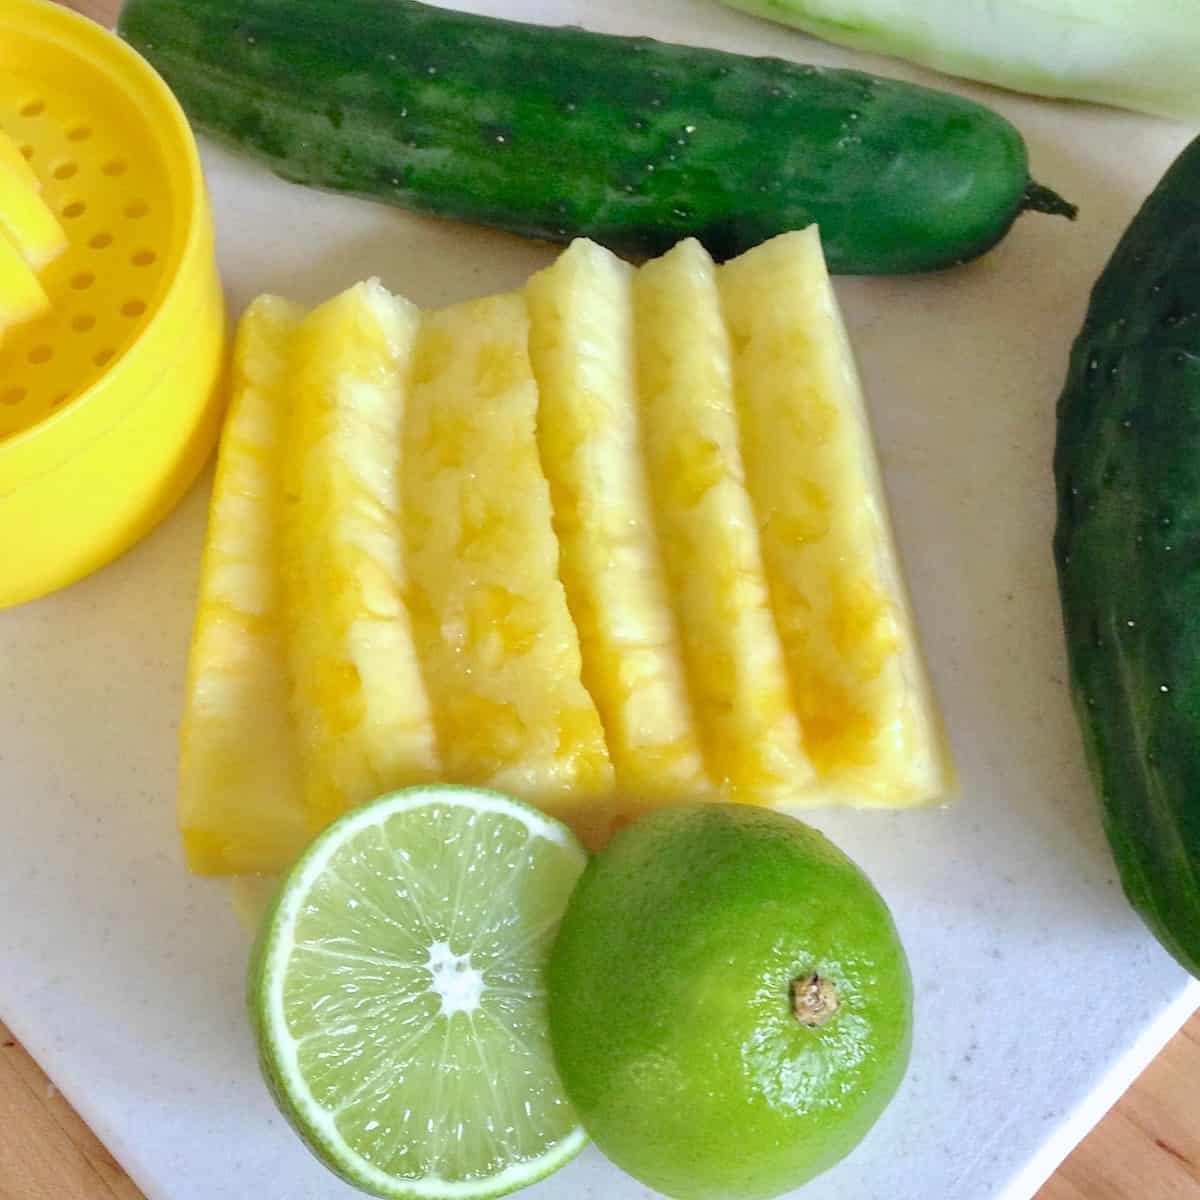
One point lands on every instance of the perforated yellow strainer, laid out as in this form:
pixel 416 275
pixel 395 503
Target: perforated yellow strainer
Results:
pixel 109 402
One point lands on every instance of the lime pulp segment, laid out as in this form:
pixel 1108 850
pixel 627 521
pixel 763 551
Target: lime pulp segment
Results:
pixel 398 993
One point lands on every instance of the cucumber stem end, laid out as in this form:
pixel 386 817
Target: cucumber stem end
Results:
pixel 1045 200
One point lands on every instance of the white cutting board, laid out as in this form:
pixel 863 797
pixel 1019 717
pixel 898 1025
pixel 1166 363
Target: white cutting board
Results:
pixel 1039 995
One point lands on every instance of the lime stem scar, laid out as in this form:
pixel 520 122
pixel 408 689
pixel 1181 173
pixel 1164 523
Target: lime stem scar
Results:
pixel 814 1000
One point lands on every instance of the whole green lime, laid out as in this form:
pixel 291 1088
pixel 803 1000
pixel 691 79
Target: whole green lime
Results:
pixel 730 1005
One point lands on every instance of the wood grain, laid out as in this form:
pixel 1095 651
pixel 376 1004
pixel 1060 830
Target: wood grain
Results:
pixel 1147 1148
pixel 46 1151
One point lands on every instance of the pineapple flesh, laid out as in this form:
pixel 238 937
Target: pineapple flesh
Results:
pixel 496 638
pixel 241 807
pixel 27 219
pixel 616 539
pixel 867 714
pixel 581 345
pixel 22 296
pixel 11 159
pixel 732 650
pixel 362 712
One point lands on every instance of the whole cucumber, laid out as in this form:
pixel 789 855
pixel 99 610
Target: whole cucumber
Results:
pixel 1127 546
pixel 557 133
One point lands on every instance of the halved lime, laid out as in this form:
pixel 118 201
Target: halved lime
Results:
pixel 398 993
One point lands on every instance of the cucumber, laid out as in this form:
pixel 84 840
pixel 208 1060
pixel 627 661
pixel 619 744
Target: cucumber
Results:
pixel 558 133
pixel 1127 547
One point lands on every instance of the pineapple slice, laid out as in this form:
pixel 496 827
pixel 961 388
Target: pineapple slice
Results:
pixel 11 159
pixel 240 798
pixel 868 716
pixel 501 654
pixel 27 218
pixel 22 296
pixel 581 344
pixel 710 538
pixel 361 709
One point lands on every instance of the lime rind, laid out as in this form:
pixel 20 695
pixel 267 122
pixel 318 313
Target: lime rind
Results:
pixel 278 1049
pixel 673 1002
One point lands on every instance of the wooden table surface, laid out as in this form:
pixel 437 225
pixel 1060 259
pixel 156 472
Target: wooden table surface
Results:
pixel 1147 1148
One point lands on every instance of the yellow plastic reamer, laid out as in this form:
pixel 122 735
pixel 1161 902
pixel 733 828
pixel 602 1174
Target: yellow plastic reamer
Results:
pixel 110 399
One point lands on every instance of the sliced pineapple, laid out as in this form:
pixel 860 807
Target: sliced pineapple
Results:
pixel 27 218
pixel 869 720
pixel 581 344
pixel 709 534
pixel 12 159
pixel 240 797
pixel 361 708
pixel 499 649
pixel 22 296
pixel 618 539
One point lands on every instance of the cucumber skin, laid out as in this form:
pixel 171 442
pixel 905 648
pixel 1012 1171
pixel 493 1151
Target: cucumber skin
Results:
pixel 559 133
pixel 1127 547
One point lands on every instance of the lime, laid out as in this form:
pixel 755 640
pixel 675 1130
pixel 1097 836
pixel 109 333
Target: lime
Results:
pixel 397 990
pixel 729 1002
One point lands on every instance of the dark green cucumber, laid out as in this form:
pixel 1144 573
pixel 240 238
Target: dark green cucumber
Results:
pixel 558 133
pixel 1127 467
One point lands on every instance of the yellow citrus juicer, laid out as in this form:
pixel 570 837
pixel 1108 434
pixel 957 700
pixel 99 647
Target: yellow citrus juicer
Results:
pixel 109 400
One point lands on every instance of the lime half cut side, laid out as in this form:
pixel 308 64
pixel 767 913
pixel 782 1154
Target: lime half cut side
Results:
pixel 397 990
